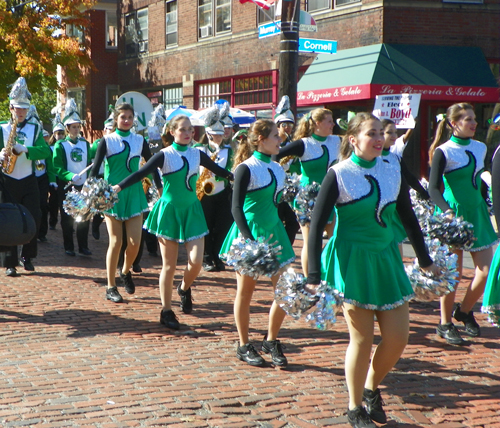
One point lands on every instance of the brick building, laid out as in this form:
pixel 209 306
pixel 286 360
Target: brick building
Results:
pixel 192 52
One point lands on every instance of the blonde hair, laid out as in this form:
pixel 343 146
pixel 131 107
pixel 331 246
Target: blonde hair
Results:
pixel 307 123
pixel 353 129
pixel 260 128
pixel 444 129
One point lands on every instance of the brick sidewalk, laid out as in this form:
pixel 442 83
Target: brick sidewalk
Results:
pixel 69 358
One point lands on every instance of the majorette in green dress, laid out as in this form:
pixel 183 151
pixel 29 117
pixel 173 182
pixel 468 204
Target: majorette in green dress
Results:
pixel 362 259
pixel 399 230
pixel 320 153
pixel 123 153
pixel 261 206
pixel 462 187
pixel 178 215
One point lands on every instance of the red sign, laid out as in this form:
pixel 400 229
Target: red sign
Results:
pixel 154 94
pixel 368 91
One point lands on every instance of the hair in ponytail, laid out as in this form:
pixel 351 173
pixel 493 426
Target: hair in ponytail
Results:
pixel 444 129
pixel 307 123
pixel 353 129
pixel 260 128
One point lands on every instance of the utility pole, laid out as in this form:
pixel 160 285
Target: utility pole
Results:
pixel 289 52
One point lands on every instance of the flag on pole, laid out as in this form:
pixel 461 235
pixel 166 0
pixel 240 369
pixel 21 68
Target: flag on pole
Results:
pixel 264 4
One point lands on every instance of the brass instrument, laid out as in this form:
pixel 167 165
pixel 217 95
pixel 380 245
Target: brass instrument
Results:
pixel 39 165
pixel 205 185
pixel 10 159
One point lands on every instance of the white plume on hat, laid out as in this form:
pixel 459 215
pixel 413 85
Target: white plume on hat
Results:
pixel 225 117
pixel 19 95
pixel 71 113
pixel 211 120
pixel 283 111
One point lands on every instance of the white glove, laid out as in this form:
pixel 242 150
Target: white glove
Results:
pixel 78 180
pixel 2 155
pixel 54 185
pixel 19 148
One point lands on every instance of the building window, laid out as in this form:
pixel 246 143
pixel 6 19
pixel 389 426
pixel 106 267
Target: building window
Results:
pixel 313 5
pixel 214 17
pixel 172 97
pixel 78 94
pixel 264 16
pixel 344 2
pixel 208 93
pixel 75 32
pixel 171 22
pixel 253 90
pixel 136 32
pixel 111 30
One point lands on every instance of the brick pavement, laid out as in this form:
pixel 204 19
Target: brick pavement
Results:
pixel 69 358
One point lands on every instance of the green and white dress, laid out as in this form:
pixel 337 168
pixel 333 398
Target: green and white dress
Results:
pixel 462 187
pixel 123 153
pixel 362 259
pixel 178 215
pixel 260 207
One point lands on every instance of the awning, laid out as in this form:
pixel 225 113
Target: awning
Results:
pixel 443 73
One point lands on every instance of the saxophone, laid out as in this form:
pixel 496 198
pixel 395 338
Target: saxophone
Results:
pixel 10 159
pixel 205 185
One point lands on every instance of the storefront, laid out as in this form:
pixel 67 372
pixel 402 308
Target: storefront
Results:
pixel 443 75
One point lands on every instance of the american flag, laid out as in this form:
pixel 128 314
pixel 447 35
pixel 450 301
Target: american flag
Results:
pixel 264 4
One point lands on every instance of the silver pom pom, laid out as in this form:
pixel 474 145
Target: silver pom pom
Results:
pixel 457 233
pixel 292 184
pixel 291 295
pixel 493 313
pixel 428 287
pixel 325 312
pixel 152 196
pixel 254 258
pixel 304 202
pixel 95 197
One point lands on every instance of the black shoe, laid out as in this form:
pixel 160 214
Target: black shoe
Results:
pixel 128 283
pixel 248 354
pixel 96 234
pixel 70 253
pixel 26 262
pixel 449 332
pixel 85 252
pixel 221 267
pixel 274 348
pixel 11 271
pixel 209 267
pixel 169 320
pixel 374 404
pixel 113 295
pixel 359 418
pixel 42 238
pixel 186 299
pixel 137 268
pixel 471 326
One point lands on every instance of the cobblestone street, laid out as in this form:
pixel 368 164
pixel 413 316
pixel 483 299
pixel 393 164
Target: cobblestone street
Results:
pixel 69 358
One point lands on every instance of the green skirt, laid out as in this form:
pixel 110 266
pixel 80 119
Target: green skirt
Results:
pixel 180 224
pixel 374 280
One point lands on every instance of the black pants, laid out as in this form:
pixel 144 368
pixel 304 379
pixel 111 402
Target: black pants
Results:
pixel 217 210
pixel 53 206
pixel 67 223
pixel 24 192
pixel 43 188
pixel 288 217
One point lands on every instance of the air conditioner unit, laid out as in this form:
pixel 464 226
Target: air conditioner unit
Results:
pixel 205 31
pixel 143 46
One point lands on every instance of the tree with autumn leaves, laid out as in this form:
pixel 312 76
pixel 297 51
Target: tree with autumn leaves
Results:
pixel 34 41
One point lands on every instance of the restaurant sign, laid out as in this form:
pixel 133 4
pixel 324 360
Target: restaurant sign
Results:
pixel 369 91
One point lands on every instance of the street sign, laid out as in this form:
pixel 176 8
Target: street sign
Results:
pixel 318 46
pixel 269 29
pixel 307 22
